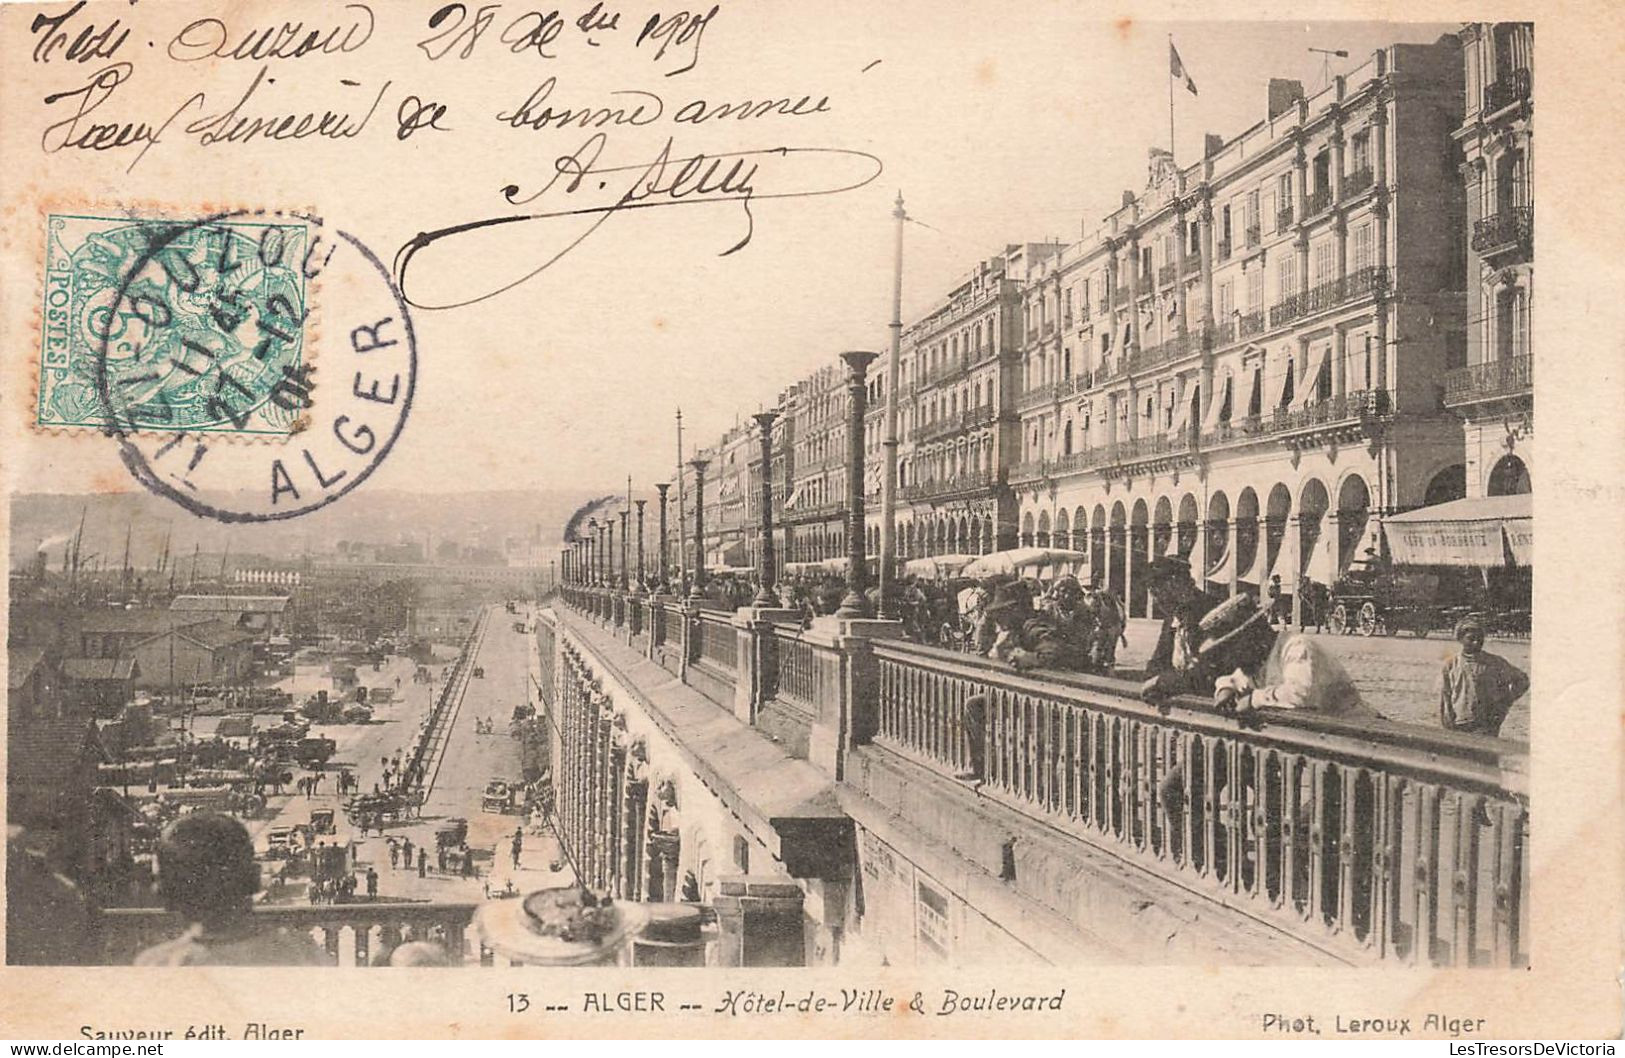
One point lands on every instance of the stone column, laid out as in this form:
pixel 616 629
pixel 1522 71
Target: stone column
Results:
pixel 1292 545
pixel 1340 342
pixel 1112 328
pixel 697 593
pixel 1379 211
pixel 1233 531
pixel 642 586
pixel 855 605
pixel 1337 163
pixel 1133 293
pixel 663 549
pixel 1205 220
pixel 610 574
pixel 767 574
pixel 1181 318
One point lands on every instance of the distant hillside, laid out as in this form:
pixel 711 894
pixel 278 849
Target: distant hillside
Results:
pixel 485 518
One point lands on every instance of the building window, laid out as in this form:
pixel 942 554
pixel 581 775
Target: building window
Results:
pixel 1287 277
pixel 1325 262
pixel 1255 290
pixel 1360 151
pixel 1362 247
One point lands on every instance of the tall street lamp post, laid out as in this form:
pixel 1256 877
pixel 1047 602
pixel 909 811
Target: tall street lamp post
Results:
pixel 665 574
pixel 697 592
pixel 855 605
pixel 642 587
pixel 768 575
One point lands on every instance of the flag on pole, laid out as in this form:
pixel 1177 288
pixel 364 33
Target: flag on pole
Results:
pixel 1177 69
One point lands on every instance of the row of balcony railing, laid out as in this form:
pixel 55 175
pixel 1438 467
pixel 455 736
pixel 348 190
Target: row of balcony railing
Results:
pixel 1371 841
pixel 953 425
pixel 1508 377
pixel 1511 228
pixel 969 481
pixel 1513 88
pixel 1349 408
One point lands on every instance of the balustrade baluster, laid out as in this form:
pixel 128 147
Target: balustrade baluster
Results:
pixel 1347 859
pixel 1256 816
pixel 1317 841
pixel 1503 839
pixel 1121 777
pixel 1212 829
pixel 1234 815
pixel 1458 832
pixel 1425 848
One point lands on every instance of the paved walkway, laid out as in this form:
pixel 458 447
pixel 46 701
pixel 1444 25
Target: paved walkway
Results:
pixel 1397 675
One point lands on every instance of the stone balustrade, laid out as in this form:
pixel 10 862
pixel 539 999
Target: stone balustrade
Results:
pixel 1366 842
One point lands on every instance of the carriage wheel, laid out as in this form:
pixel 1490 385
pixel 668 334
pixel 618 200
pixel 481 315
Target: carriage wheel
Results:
pixel 1338 622
pixel 1368 619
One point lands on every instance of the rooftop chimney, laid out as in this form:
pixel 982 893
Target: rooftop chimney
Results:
pixel 1284 95
pixel 1128 198
pixel 1212 144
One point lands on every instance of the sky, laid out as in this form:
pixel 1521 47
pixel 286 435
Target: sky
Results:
pixel 998 123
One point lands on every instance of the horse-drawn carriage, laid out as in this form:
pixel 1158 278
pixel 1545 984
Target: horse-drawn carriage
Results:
pixel 375 809
pixel 498 797
pixel 1375 598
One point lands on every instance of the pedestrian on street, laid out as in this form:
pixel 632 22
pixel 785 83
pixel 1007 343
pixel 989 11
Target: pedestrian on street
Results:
pixel 406 852
pixel 394 855
pixel 440 856
pixel 518 845
pixel 423 863
pixel 468 864
pixel 1477 688
pixel 372 884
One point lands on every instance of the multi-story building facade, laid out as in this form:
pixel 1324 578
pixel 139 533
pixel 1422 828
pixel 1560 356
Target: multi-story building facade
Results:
pixel 1244 364
pixel 815 508
pixel 727 527
pixel 956 422
pixel 1493 391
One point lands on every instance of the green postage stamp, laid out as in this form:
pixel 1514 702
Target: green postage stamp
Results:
pixel 175 325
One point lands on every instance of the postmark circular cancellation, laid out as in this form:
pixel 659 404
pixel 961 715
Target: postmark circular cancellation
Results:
pixel 193 342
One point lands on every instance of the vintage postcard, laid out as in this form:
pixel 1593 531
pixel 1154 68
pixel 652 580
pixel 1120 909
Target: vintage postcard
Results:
pixel 820 520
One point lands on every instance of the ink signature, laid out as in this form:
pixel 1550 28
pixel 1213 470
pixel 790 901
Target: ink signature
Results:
pixel 595 193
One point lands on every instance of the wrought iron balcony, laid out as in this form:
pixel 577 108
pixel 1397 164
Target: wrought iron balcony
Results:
pixel 1249 324
pixel 1049 328
pixel 1223 249
pixel 970 481
pixel 1283 219
pixel 1357 181
pixel 1042 393
pixel 1358 406
pixel 1286 310
pixel 1507 90
pixel 1493 379
pixel 954 425
pixel 1255 235
pixel 1319 201
pixel 1103 305
pixel 1510 230
pixel 1165 274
